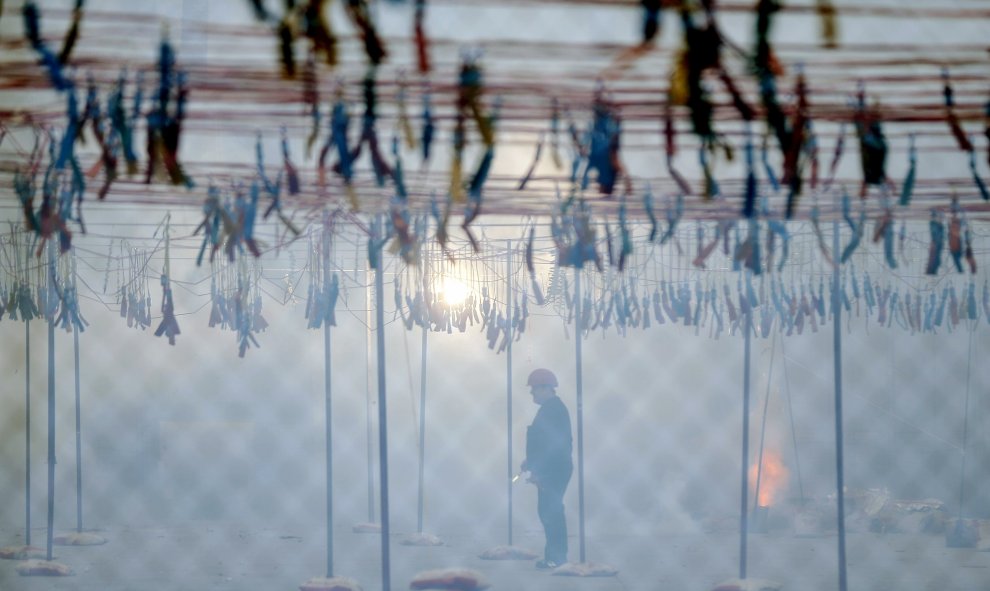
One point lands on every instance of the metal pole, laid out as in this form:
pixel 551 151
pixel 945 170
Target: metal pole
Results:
pixel 743 513
pixel 508 378
pixel 367 400
pixel 376 230
pixel 75 353
pixel 579 407
pixel 79 515
pixel 327 374
pixel 27 433
pixel 837 353
pixel 962 471
pixel 329 446
pixel 422 431
pixel 51 409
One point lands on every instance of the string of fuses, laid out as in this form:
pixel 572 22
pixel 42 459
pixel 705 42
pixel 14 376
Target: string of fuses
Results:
pixel 611 105
pixel 667 291
pixel 576 244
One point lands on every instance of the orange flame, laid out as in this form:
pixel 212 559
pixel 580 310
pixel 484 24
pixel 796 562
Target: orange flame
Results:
pixel 773 477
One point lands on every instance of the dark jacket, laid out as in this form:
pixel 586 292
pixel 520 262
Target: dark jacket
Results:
pixel 548 441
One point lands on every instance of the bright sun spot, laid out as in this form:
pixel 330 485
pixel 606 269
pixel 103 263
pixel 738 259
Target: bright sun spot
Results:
pixel 454 291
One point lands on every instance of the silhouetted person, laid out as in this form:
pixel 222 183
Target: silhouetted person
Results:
pixel 548 460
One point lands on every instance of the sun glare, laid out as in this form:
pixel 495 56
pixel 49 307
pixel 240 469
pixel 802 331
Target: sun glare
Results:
pixel 454 291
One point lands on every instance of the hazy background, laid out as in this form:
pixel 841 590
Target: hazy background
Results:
pixel 192 433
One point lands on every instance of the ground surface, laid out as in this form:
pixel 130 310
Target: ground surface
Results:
pixel 215 556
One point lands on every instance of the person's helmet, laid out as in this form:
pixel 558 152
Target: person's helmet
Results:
pixel 542 377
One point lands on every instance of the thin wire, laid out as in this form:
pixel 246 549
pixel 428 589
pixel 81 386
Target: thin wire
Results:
pixel 763 424
pixel 790 413
pixel 962 471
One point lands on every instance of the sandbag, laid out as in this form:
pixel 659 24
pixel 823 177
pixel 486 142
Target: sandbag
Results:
pixel 43 568
pixel 585 569
pixel 22 552
pixel 330 584
pixel 747 585
pixel 421 539
pixel 457 579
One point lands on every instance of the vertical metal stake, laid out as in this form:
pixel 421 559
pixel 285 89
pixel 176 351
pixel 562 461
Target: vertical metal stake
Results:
pixel 79 514
pixel 51 410
pixel 837 353
pixel 367 401
pixel 327 374
pixel 382 415
pixel 744 492
pixel 579 406
pixel 75 354
pixel 27 433
pixel 508 377
pixel 422 432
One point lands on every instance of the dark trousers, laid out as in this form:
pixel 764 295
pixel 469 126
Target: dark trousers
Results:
pixel 550 506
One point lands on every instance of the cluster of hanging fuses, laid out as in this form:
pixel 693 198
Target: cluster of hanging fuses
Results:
pixel 236 303
pixel 229 220
pixel 757 239
pixel 47 291
pixel 596 153
pixel 307 22
pixel 111 124
pixel 499 323
pixel 57 302
pixel 713 306
pixel 324 286
pixel 235 295
pixel 134 293
pixel 775 305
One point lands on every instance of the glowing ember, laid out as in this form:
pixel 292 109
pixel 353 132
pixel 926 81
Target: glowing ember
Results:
pixel 773 478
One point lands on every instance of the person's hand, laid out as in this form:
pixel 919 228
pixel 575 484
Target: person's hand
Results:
pixel 533 479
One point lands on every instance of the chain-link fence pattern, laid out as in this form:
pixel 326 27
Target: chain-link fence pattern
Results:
pixel 204 465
